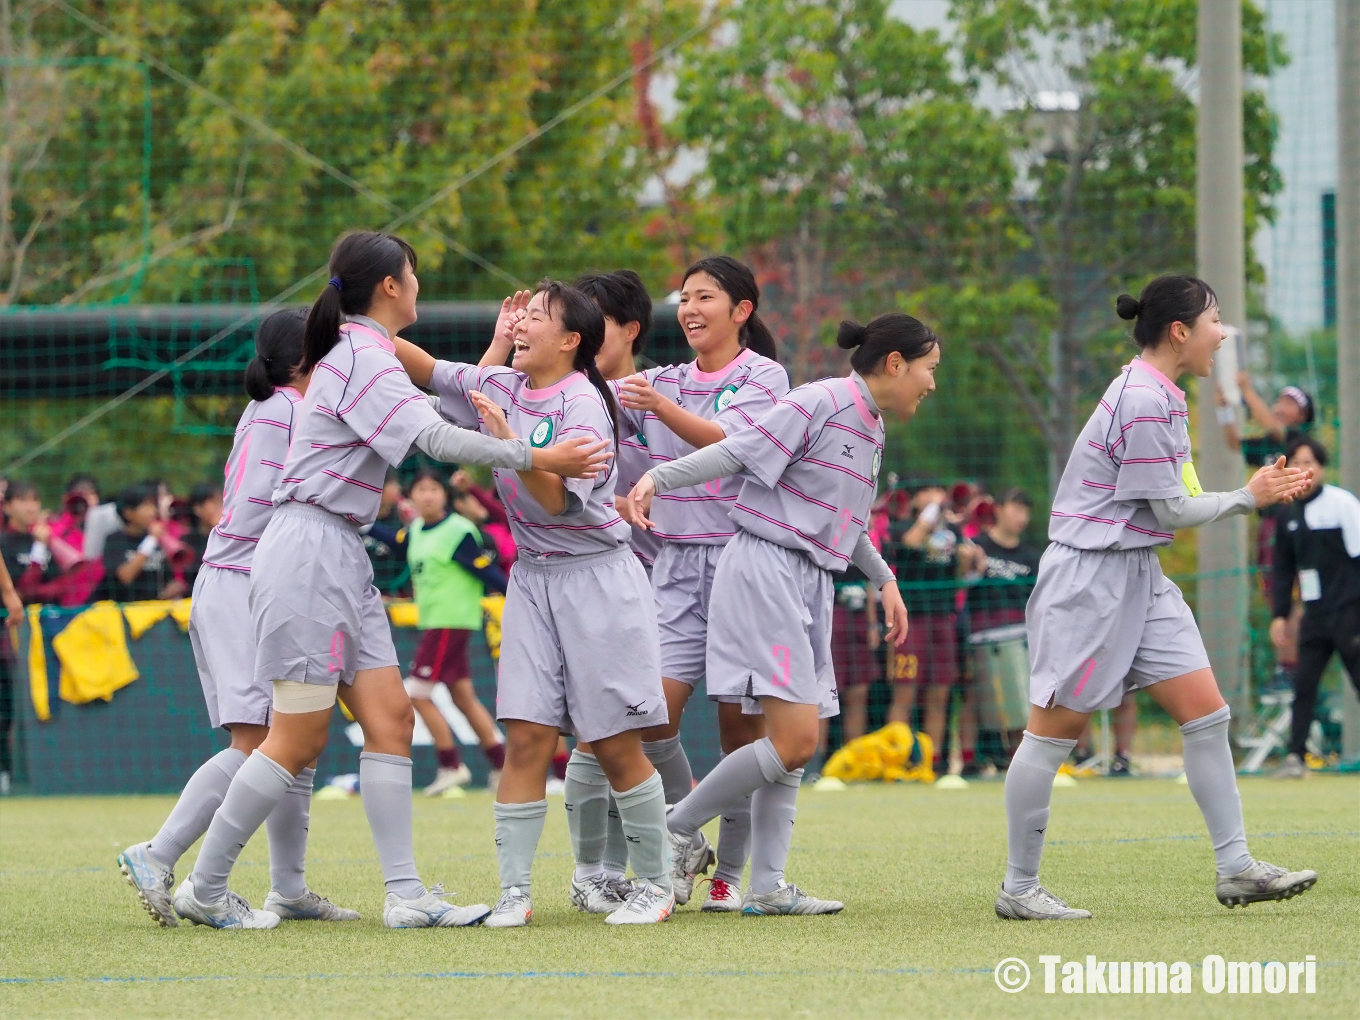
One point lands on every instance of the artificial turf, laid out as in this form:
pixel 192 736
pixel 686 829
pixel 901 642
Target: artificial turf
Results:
pixel 917 867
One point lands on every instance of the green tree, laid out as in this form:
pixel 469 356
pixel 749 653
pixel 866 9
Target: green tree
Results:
pixel 1101 122
pixel 849 160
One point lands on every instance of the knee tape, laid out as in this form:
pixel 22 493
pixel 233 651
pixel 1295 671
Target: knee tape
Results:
pixel 294 698
pixel 418 688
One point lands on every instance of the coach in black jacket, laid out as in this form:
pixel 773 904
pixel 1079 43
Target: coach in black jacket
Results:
pixel 1317 540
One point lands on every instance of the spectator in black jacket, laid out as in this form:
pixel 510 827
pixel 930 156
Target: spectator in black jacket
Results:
pixel 1317 540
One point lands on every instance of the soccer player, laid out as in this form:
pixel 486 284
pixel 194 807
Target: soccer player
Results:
pixel 810 467
pixel 1103 619
pixel 579 641
pixel 224 649
pixel 319 622
pixel 676 410
pixel 451 569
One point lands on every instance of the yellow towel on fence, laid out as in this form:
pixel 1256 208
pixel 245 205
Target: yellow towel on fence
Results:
pixel 37 666
pixel 179 609
pixel 886 755
pixel 493 606
pixel 94 655
pixel 142 616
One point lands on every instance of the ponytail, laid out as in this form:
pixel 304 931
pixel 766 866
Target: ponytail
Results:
pixel 359 262
pixel 582 316
pixel 739 283
pixel 278 352
pixel 894 332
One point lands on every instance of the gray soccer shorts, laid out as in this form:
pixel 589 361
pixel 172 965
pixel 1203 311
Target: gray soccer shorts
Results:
pixel 769 630
pixel 682 582
pixel 318 618
pixel 1102 623
pixel 223 641
pixel 579 645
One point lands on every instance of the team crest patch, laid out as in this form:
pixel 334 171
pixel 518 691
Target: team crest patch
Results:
pixel 641 437
pixel 542 434
pixel 724 398
pixel 878 462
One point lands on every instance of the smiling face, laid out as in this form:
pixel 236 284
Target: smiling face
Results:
pixel 544 350
pixel 615 359
pixel 904 384
pixel 708 316
pixel 1196 343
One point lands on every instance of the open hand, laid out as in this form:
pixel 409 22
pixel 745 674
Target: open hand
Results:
pixel 492 415
pixel 638 504
pixel 894 614
pixel 512 310
pixel 637 394
pixel 578 457
pixel 1276 483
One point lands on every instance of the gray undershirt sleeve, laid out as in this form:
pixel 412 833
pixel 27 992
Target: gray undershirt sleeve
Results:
pixel 867 558
pixel 1192 511
pixel 452 445
pixel 716 461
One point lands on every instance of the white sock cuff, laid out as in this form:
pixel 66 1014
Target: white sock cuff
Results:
pixel 645 790
pixel 383 768
pixel 1199 728
pixel 304 782
pixel 263 773
pixel 771 765
pixel 1045 753
pixel 229 762
pixel 585 768
pixel 533 809
pixel 794 778
pixel 659 752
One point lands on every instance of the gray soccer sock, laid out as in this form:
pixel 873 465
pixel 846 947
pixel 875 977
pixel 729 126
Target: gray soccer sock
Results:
pixel 385 786
pixel 586 800
pixel 642 810
pixel 1029 788
pixel 518 827
pixel 736 777
pixel 259 785
pixel 287 827
pixel 671 762
pixel 734 840
pixel 615 842
pixel 1213 780
pixel 773 807
pixel 193 812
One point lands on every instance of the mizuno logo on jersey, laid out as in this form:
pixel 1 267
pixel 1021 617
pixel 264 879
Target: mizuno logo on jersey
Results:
pixel 637 709
pixel 847 451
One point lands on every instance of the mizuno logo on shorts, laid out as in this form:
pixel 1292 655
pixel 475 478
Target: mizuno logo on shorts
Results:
pixel 637 709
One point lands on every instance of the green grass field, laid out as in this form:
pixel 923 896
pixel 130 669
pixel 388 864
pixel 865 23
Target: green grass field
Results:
pixel 917 867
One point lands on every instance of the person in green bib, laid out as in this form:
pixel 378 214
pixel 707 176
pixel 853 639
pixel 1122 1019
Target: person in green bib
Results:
pixel 451 570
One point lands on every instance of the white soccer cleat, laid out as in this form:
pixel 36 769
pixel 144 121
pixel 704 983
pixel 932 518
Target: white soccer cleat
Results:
pixel 597 894
pixel 513 910
pixel 153 882
pixel 447 779
pixel 689 860
pixel 787 899
pixel 1292 767
pixel 723 897
pixel 648 904
pixel 429 911
pixel 1262 881
pixel 1036 905
pixel 307 907
pixel 493 782
pixel 232 911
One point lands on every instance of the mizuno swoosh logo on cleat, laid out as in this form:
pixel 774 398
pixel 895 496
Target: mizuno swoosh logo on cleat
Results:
pixel 633 839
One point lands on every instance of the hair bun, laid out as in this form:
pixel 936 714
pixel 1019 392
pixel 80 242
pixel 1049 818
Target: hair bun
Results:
pixel 1127 306
pixel 850 335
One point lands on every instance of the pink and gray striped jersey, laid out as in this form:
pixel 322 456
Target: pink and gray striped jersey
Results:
pixel 361 414
pixel 811 469
pixel 734 397
pixel 568 409
pixel 252 473
pixel 1134 448
pixel 633 463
